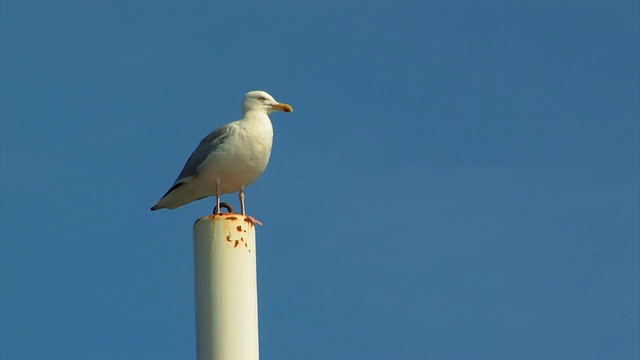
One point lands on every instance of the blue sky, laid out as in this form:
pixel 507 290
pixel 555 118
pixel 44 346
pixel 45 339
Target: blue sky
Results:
pixel 459 179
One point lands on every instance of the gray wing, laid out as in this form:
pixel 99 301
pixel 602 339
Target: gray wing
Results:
pixel 206 147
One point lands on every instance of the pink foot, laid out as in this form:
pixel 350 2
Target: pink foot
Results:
pixel 252 220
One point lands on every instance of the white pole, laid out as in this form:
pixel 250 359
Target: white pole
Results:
pixel 226 288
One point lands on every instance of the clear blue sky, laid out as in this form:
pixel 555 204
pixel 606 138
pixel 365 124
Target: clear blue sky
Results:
pixel 459 180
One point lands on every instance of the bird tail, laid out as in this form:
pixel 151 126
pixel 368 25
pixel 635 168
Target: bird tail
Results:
pixel 157 206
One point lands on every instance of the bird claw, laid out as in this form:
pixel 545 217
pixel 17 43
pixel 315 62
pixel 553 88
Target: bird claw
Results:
pixel 252 220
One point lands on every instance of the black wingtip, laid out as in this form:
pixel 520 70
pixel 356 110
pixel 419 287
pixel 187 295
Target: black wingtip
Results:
pixel 173 188
pixel 156 207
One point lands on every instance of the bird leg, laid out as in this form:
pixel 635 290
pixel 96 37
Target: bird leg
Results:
pixel 242 202
pixel 216 211
pixel 249 219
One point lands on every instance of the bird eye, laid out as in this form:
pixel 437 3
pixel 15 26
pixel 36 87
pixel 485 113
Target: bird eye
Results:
pixel 262 98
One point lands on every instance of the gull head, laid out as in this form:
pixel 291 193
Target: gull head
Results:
pixel 261 101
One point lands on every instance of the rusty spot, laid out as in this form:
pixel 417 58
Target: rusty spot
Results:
pixel 229 238
pixel 232 218
pixel 241 239
pixel 239 228
pixel 236 244
pixel 246 245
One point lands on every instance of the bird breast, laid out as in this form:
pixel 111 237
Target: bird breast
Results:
pixel 243 157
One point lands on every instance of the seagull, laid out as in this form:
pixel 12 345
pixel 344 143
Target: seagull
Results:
pixel 230 158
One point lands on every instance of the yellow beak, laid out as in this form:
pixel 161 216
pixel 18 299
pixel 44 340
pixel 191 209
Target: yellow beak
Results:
pixel 283 107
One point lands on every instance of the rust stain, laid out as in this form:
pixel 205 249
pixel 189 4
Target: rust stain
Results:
pixel 229 238
pixel 236 244
pixel 239 228
pixel 232 218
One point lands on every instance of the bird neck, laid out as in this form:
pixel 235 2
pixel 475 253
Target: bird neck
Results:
pixel 256 116
pixel 257 122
